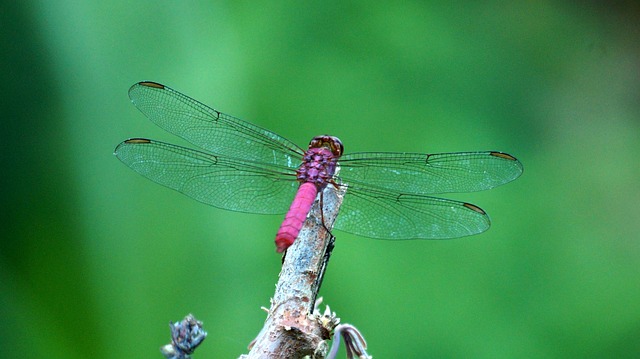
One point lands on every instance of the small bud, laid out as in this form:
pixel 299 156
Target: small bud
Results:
pixel 185 338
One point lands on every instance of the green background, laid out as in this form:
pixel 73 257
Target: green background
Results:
pixel 96 260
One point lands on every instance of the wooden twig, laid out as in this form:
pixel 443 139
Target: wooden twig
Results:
pixel 291 329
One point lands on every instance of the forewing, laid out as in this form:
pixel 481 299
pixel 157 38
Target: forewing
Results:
pixel 221 134
pixel 429 173
pixel 215 180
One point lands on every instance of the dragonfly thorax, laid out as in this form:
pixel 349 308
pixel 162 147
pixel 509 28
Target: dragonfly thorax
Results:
pixel 318 166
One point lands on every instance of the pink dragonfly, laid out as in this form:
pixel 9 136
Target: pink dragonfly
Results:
pixel 246 168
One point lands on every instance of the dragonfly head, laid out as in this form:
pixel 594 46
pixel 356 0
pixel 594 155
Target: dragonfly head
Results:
pixel 331 142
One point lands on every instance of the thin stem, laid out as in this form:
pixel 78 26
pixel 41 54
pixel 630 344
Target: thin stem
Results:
pixel 291 330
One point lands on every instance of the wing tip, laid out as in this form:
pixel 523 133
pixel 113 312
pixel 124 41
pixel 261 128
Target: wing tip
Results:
pixel 131 141
pixel 151 84
pixel 137 140
pixel 503 155
pixel 474 208
pixel 517 165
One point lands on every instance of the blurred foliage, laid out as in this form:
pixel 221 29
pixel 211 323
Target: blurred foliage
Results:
pixel 96 260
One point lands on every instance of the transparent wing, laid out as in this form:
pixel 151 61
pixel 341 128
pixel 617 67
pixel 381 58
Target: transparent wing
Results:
pixel 429 173
pixel 222 182
pixel 378 213
pixel 212 130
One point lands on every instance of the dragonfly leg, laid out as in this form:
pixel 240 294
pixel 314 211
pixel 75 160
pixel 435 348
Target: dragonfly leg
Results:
pixel 325 262
pixel 322 212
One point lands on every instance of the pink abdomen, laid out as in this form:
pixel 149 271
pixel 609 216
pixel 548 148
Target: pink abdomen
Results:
pixel 296 216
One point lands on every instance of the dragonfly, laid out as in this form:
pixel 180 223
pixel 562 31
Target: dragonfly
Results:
pixel 246 168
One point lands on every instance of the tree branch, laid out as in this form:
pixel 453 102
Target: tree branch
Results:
pixel 291 329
